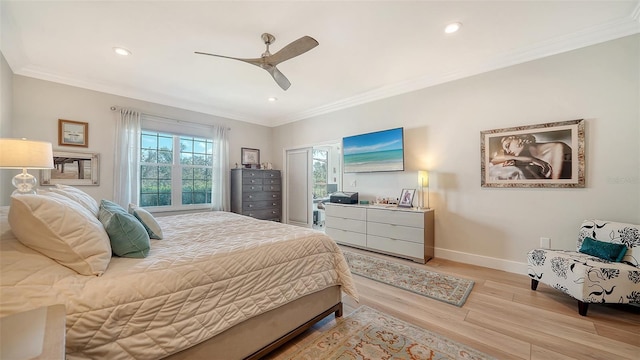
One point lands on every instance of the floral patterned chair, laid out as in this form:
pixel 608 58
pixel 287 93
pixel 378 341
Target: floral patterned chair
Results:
pixel 588 278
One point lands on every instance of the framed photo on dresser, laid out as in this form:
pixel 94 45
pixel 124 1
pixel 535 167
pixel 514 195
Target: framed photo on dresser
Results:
pixel 406 198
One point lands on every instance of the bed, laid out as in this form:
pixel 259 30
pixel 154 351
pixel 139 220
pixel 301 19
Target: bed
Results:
pixel 218 285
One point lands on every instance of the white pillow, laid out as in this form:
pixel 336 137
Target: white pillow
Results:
pixel 61 229
pixel 147 220
pixel 78 196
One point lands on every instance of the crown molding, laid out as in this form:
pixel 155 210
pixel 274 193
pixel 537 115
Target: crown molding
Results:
pixel 139 95
pixel 611 30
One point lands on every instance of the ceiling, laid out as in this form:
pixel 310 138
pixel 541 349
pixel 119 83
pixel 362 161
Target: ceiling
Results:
pixel 368 50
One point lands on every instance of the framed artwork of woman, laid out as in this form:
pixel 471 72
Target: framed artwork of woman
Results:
pixel 543 155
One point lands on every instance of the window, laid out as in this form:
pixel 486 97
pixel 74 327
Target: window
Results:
pixel 169 162
pixel 320 173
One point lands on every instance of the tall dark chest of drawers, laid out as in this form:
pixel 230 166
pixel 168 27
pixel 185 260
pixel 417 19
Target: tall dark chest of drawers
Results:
pixel 256 193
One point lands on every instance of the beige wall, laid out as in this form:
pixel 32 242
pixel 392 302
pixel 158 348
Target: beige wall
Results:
pixel 490 227
pixel 39 104
pixel 496 227
pixel 6 109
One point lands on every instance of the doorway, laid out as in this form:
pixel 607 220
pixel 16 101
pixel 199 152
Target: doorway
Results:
pixel 312 175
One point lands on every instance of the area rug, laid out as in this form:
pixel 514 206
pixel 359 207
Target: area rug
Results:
pixel 369 334
pixel 447 288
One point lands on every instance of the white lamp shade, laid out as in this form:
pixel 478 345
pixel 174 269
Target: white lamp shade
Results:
pixel 25 154
pixel 423 178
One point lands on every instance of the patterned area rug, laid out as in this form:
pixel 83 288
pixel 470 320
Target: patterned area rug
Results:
pixel 369 334
pixel 447 288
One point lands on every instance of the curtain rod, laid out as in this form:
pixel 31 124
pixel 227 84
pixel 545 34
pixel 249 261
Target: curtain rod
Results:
pixel 115 108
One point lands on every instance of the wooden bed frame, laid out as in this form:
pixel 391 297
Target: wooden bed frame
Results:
pixel 258 336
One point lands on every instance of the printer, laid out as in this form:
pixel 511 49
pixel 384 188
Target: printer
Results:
pixel 344 197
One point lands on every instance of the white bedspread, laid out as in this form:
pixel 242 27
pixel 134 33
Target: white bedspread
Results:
pixel 212 271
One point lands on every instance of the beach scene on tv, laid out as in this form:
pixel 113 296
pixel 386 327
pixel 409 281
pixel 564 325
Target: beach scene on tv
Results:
pixel 376 151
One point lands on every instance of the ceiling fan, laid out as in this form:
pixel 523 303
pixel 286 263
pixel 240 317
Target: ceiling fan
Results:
pixel 269 61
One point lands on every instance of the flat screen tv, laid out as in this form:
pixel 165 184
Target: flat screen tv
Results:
pixel 372 152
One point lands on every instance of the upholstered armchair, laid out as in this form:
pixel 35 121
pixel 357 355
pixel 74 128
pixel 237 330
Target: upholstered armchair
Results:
pixel 600 271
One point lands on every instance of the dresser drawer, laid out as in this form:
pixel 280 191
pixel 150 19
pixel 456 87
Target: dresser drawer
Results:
pixel 263 214
pixel 271 174
pixel 397 217
pixel 248 196
pixel 272 181
pixel 252 174
pixel 251 188
pixel 339 211
pixel 260 205
pixel 400 247
pixel 397 232
pixel 347 237
pixel 251 181
pixel 268 187
pixel 358 226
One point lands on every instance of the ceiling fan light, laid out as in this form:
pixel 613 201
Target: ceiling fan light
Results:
pixel 121 51
pixel 453 27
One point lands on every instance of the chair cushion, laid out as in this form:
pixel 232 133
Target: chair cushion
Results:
pixel 603 250
pixel 614 232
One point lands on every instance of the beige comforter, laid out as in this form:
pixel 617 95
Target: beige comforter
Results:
pixel 211 271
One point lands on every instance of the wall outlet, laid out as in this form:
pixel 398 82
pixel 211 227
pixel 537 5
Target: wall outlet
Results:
pixel 545 242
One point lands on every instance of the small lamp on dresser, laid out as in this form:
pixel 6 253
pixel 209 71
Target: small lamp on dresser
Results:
pixel 423 180
pixel 25 154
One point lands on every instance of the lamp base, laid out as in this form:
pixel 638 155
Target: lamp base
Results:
pixel 25 183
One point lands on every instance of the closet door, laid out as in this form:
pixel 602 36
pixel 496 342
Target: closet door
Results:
pixel 298 186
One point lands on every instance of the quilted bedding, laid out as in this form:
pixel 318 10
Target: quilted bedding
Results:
pixel 211 271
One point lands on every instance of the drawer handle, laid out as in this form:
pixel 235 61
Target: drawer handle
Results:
pixel 274 204
pixel 253 187
pixel 274 196
pixel 250 205
pixel 252 181
pixel 274 212
pixel 250 196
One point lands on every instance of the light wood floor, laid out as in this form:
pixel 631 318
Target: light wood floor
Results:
pixel 504 318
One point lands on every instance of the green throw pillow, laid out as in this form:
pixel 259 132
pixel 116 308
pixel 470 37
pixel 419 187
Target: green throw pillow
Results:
pixel 603 250
pixel 127 235
pixel 147 220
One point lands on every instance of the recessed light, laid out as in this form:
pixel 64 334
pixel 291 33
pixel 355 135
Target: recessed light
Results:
pixel 121 51
pixel 453 27
pixel 272 99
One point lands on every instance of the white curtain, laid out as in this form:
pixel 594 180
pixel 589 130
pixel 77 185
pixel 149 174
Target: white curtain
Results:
pixel 220 172
pixel 127 155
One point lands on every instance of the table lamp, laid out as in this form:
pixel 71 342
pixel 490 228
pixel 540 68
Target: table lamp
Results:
pixel 423 180
pixel 25 154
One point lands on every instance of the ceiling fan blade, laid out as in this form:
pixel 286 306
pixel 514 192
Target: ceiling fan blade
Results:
pixel 293 49
pixel 257 62
pixel 278 77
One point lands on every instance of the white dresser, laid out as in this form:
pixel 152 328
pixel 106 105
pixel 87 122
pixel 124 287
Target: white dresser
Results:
pixel 403 232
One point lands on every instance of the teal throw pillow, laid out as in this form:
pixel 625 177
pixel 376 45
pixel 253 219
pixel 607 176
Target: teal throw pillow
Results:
pixel 147 220
pixel 128 236
pixel 603 250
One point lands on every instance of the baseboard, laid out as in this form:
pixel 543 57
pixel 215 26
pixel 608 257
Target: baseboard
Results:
pixel 485 261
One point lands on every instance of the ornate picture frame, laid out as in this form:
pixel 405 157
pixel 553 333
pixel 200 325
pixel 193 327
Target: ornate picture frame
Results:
pixel 406 198
pixel 73 133
pixel 72 168
pixel 250 156
pixel 549 155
